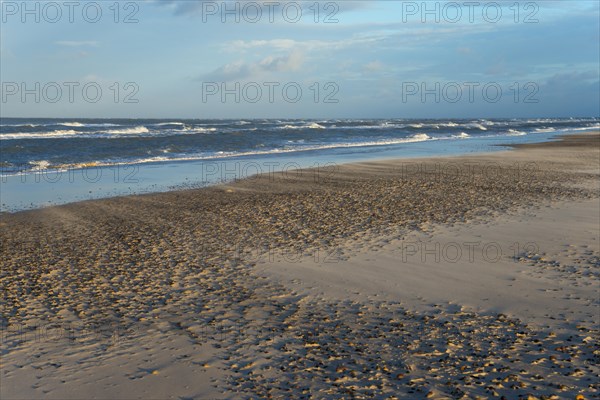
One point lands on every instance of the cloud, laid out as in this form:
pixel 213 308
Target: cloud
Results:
pixel 571 93
pixel 71 43
pixel 184 8
pixel 569 80
pixel 395 36
pixel 240 70
pixel 374 66
pixel 278 44
pixel 303 45
pixel 291 62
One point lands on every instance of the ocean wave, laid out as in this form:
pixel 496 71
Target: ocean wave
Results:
pixel 476 126
pixel 542 121
pixel 585 128
pixel 68 124
pixel 461 135
pixel 268 140
pixel 420 137
pixel 44 165
pixel 81 125
pixel 144 131
pixel 312 125
pixel 128 131
pixel 39 165
pixel 20 125
pixel 395 125
pixel 169 123
pixel 140 131
pixel 40 135
pixel 355 127
pixel 199 130
pixel 100 125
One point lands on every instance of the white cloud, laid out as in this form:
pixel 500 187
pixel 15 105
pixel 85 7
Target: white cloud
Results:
pixel 374 66
pixel 392 37
pixel 240 70
pixel 71 43
pixel 305 45
pixel 279 44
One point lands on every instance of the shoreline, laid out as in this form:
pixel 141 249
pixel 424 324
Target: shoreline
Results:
pixel 573 140
pixel 291 286
pixel 51 188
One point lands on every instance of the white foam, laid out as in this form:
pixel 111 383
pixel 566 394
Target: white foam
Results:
pixel 128 131
pixel 384 125
pixel 169 123
pixel 28 125
pixel 419 137
pixel 40 165
pixel 199 130
pixel 39 135
pixel 585 128
pixel 112 133
pixel 312 125
pixel 477 126
pixel 100 125
pixel 461 135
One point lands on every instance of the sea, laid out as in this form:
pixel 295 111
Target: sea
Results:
pixel 55 161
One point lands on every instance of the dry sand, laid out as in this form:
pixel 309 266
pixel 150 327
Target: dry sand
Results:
pixel 338 283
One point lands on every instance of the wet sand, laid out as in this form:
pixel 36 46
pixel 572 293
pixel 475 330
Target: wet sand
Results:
pixel 313 284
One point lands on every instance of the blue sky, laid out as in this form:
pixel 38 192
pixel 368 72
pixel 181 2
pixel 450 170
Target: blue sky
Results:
pixel 373 59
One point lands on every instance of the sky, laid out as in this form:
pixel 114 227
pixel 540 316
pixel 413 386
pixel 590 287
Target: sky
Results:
pixel 300 59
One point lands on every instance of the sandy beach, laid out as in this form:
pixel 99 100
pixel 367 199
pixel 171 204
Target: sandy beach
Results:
pixel 452 277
